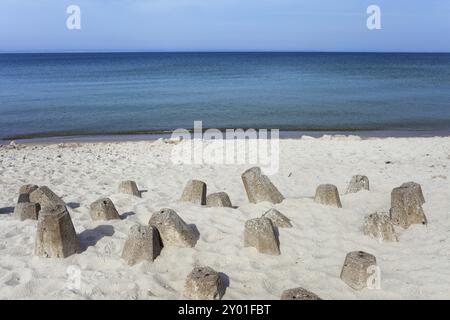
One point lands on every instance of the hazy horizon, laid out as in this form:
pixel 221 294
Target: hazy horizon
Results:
pixel 214 51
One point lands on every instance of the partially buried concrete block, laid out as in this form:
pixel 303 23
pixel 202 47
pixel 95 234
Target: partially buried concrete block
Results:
pixel 415 189
pixel 328 194
pixel 259 233
pixel 46 197
pixel 259 188
pixel 379 226
pixel 56 236
pixel 219 199
pixel 173 230
pixel 406 205
pixel 357 269
pixel 358 183
pixel 194 192
pixel 129 187
pixel 278 219
pixel 27 189
pixel 299 294
pixel 204 283
pixel 103 209
pixel 27 210
pixel 143 244
pixel 24 192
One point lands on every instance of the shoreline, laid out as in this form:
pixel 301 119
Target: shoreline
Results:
pixel 166 134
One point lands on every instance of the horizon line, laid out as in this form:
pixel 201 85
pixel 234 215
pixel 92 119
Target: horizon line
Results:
pixel 62 51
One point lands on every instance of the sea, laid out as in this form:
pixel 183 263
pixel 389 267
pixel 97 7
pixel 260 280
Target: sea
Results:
pixel 51 96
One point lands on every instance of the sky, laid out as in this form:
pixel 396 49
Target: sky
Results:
pixel 225 25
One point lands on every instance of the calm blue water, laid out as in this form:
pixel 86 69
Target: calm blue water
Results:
pixel 128 92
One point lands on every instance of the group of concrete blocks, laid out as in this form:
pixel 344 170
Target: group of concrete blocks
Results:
pixel 32 199
pixel 406 207
pixel 204 283
pixel 262 233
pixel 165 229
pixel 195 192
pixel 406 210
pixel 56 236
pixel 328 194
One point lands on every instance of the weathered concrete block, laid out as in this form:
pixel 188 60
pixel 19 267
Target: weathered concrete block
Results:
pixel 129 187
pixel 259 233
pixel 24 192
pixel 358 183
pixel 27 210
pixel 356 269
pixel 28 188
pixel 55 236
pixel 204 283
pixel 299 294
pixel 406 206
pixel 46 197
pixel 219 199
pixel 328 194
pixel 103 209
pixel 143 244
pixel 173 230
pixel 194 192
pixel 259 188
pixel 278 219
pixel 416 189
pixel 379 226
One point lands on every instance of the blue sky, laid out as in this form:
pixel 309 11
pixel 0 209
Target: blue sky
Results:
pixel 225 25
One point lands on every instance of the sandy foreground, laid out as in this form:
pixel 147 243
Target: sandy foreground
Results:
pixel 312 252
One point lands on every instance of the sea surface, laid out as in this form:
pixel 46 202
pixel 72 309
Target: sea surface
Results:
pixel 89 94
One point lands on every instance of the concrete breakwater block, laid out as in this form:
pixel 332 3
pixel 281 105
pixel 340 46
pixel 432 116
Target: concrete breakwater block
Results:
pixel 46 197
pixel 355 271
pixel 129 187
pixel 219 199
pixel 173 230
pixel 103 209
pixel 415 189
pixel 379 226
pixel 328 194
pixel 27 188
pixel 259 188
pixel 204 283
pixel 25 191
pixel 27 210
pixel 358 183
pixel 278 219
pixel 299 294
pixel 194 192
pixel 406 205
pixel 55 236
pixel 259 233
pixel 143 244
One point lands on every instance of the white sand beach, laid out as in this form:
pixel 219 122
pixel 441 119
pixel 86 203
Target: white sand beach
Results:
pixel 312 251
